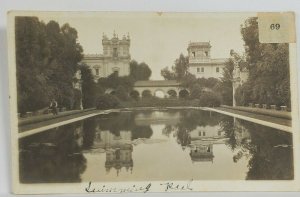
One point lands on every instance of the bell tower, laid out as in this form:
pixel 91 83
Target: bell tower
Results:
pixel 116 48
pixel 199 52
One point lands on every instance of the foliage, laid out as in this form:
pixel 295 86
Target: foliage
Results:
pixel 89 93
pixel 178 71
pixel 243 94
pixel 123 86
pixel 47 56
pixel 121 93
pixel 107 101
pixel 134 95
pixel 160 102
pixel 196 91
pixel 58 161
pixel 139 71
pixel 268 67
pixel 225 86
pixel 209 99
pixel 167 74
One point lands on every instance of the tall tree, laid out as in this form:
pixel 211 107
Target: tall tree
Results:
pixel 31 57
pixel 268 66
pixel 179 71
pixel 88 86
pixel 139 71
pixel 47 57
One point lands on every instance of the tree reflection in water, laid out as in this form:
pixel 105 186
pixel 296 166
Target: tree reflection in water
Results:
pixel 53 156
pixel 269 151
pixel 58 155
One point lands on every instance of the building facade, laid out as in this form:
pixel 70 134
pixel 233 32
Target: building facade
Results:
pixel 200 62
pixel 114 59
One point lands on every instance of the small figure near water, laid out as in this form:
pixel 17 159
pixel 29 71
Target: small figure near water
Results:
pixel 53 106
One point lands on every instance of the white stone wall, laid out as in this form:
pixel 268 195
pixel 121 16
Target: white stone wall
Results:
pixel 122 66
pixel 209 71
pixel 107 66
pixel 206 132
pixel 155 89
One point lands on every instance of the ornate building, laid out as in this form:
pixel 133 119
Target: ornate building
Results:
pixel 202 140
pixel 115 57
pixel 118 149
pixel 200 62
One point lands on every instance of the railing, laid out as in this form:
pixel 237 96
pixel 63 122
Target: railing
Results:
pixel 271 107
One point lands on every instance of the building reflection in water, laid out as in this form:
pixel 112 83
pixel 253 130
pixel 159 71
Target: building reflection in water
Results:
pixel 118 149
pixel 202 140
pixel 200 134
pixel 59 155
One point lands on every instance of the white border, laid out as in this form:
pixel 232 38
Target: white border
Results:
pixel 117 5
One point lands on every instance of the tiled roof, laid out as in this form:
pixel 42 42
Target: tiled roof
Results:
pixel 156 83
pixel 191 44
pixel 211 62
pixel 92 55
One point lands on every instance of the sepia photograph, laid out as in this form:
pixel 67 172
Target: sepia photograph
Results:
pixel 113 102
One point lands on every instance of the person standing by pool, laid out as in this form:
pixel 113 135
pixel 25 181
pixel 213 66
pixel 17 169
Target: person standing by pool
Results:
pixel 53 106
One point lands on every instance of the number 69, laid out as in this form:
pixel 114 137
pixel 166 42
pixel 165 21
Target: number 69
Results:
pixel 275 26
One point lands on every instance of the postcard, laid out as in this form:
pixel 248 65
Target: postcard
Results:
pixel 121 102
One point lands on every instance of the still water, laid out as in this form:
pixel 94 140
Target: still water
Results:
pixel 157 145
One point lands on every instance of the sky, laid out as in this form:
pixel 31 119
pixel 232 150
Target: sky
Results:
pixel 157 38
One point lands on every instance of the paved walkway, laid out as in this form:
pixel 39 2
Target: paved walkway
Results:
pixel 45 117
pixel 269 121
pixel 37 124
pixel 267 112
pixel 53 123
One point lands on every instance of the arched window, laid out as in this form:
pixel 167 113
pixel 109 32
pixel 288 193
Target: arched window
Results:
pixel 97 71
pixel 116 70
pixel 115 52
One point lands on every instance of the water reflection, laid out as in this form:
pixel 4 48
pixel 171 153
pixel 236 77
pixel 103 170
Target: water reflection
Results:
pixel 53 156
pixel 157 145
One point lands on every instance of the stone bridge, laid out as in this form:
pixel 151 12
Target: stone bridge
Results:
pixel 159 88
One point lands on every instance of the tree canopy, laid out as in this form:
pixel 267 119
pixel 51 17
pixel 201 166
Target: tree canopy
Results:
pixel 178 71
pixel 89 91
pixel 47 57
pixel 268 65
pixel 139 71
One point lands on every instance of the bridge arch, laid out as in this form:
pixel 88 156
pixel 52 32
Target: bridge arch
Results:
pixel 110 91
pixel 172 93
pixel 134 94
pixel 146 93
pixel 160 93
pixel 160 88
pixel 183 93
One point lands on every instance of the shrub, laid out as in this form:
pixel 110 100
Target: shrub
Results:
pixel 243 94
pixel 107 101
pixel 121 93
pixel 209 99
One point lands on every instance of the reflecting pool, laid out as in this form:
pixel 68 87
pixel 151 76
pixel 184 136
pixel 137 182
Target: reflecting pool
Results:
pixel 157 145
